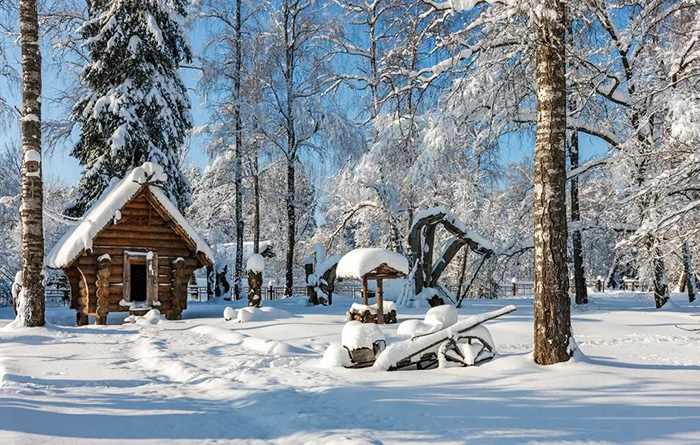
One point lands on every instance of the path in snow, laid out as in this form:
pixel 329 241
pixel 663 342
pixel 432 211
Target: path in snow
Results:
pixel 203 378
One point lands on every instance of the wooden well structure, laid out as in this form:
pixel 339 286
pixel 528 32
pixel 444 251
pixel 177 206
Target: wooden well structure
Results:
pixel 132 251
pixel 374 264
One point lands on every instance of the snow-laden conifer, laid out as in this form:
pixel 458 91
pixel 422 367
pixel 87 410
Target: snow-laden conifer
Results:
pixel 136 109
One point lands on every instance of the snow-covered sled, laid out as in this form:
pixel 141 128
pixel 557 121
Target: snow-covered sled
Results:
pixel 439 340
pixel 464 343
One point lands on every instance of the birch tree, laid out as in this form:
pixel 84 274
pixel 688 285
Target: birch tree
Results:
pixel 32 300
pixel 553 340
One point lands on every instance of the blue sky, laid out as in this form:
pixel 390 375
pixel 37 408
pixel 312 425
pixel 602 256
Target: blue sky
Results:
pixel 61 165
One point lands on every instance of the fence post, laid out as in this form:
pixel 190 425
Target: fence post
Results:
pixel 269 291
pixel 515 286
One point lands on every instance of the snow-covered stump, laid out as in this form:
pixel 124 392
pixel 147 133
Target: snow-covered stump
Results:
pixel 255 266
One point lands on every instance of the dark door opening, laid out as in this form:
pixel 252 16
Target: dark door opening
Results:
pixel 138 282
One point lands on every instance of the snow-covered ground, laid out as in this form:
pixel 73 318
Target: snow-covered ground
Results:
pixel 205 379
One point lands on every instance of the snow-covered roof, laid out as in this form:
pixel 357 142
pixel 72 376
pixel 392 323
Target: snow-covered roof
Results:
pixel 359 262
pixel 107 209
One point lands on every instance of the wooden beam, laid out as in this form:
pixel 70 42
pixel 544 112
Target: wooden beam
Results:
pixel 365 298
pixel 380 301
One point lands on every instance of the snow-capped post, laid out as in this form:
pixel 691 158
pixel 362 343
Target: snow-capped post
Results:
pixel 553 338
pixel 179 287
pixel 311 281
pixel 255 266
pixel 31 311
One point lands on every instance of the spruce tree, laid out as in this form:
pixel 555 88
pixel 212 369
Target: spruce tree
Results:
pixel 136 109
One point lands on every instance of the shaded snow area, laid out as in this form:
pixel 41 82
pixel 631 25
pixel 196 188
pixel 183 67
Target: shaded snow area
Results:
pixel 263 381
pixel 358 262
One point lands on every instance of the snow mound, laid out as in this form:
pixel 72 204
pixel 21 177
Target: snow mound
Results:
pixel 256 344
pixel 436 319
pixel 230 314
pixel 107 209
pixel 253 313
pixel 248 314
pixel 359 262
pixel 356 335
pixel 410 328
pixel 336 356
pixel 442 316
pixel 256 263
pixel 150 318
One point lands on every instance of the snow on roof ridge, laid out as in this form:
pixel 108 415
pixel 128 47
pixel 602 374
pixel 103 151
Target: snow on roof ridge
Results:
pixel 358 262
pixel 80 237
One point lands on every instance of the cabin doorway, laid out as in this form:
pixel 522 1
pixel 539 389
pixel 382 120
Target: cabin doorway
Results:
pixel 140 277
pixel 139 282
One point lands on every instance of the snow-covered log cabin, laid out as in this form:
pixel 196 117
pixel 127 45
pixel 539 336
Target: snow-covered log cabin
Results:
pixel 132 251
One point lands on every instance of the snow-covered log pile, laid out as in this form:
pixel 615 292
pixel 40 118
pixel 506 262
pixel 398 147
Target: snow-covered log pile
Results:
pixel 368 313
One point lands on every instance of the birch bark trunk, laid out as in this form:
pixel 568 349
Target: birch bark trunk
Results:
pixel 552 303
pixel 31 213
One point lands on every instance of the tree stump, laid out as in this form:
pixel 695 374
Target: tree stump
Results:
pixel 254 288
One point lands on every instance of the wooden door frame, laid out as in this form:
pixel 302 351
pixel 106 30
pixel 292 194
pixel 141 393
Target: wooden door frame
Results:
pixel 151 262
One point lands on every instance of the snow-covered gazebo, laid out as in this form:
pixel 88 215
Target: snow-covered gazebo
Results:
pixel 132 251
pixel 372 264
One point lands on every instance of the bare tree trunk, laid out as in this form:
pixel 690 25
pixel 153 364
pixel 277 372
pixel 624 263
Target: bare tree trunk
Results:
pixel 238 166
pixel 31 213
pixel 291 230
pixel 690 282
pixel 577 245
pixel 661 291
pixel 552 304
pixel 256 204
pixel 579 274
pixel 289 38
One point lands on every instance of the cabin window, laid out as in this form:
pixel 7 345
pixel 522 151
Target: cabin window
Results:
pixel 140 281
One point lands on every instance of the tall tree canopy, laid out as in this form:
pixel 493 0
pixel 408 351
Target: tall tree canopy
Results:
pixel 137 108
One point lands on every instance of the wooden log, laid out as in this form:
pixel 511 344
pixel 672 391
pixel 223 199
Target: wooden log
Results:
pixel 137 241
pixel 365 297
pixel 380 301
pixel 102 291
